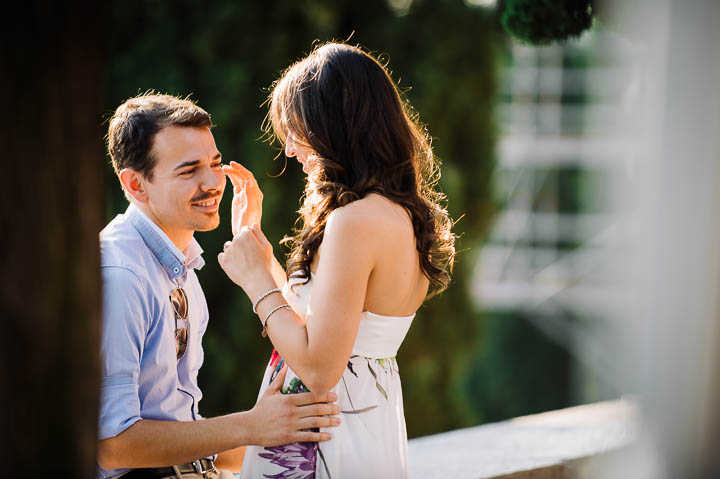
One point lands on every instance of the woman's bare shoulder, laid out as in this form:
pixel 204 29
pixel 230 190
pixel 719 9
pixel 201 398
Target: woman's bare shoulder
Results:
pixel 371 226
pixel 373 211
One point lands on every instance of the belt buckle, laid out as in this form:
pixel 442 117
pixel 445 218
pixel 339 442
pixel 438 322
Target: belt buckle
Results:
pixel 198 466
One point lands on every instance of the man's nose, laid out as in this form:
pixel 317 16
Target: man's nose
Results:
pixel 212 180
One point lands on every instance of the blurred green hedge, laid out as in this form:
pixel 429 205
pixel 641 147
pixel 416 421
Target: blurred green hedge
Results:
pixel 443 53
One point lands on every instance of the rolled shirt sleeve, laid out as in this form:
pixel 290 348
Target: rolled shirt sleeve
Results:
pixel 125 325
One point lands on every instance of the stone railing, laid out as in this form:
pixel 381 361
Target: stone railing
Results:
pixel 552 445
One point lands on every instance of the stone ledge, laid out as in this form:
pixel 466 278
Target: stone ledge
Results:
pixel 551 445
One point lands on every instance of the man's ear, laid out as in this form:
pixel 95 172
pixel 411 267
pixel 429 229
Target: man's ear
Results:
pixel 134 184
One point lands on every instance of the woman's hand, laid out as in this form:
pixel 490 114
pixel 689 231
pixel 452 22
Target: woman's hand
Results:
pixel 247 260
pixel 247 197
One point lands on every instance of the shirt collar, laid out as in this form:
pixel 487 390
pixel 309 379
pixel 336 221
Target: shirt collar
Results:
pixel 193 255
pixel 175 262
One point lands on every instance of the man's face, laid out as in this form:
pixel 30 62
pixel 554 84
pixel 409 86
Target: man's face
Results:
pixel 188 182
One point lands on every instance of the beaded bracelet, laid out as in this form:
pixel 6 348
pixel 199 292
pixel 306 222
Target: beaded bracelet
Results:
pixel 263 296
pixel 264 322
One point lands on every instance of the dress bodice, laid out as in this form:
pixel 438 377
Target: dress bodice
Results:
pixel 378 336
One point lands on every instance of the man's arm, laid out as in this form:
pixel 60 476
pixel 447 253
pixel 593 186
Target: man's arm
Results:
pixel 129 440
pixel 276 419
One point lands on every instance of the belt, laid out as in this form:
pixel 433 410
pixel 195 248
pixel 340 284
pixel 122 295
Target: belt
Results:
pixel 201 466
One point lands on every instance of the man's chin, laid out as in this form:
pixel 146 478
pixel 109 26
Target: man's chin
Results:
pixel 210 223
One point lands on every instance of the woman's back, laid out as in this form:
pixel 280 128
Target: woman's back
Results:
pixel 397 285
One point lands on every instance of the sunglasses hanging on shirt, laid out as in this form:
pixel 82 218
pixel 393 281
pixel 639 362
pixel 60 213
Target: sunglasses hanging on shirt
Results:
pixel 179 300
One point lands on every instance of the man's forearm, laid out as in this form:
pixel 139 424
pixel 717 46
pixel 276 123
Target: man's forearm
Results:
pixel 149 443
pixel 275 419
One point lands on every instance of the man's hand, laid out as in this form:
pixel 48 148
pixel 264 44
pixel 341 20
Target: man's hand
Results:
pixel 279 418
pixel 276 419
pixel 247 197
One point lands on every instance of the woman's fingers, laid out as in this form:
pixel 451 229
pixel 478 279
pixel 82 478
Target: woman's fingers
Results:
pixel 235 178
pixel 240 169
pixel 237 172
pixel 239 204
pixel 241 187
pixel 251 185
pixel 242 182
pixel 245 187
pixel 260 235
pixel 241 197
pixel 246 232
pixel 245 240
pixel 223 261
pixel 253 188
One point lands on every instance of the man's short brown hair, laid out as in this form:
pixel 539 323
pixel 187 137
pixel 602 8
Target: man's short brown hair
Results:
pixel 135 123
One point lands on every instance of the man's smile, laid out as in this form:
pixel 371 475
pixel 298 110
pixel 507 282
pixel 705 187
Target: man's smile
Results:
pixel 209 205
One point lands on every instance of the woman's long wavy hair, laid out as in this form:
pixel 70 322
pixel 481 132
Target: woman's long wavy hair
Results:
pixel 342 103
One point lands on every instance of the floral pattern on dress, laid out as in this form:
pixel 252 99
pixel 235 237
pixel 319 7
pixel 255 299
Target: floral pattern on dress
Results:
pixel 300 459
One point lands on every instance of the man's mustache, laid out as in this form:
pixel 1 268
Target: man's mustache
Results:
pixel 205 197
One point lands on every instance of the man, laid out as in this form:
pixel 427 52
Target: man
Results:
pixel 154 311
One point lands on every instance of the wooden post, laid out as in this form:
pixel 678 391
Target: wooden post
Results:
pixel 52 211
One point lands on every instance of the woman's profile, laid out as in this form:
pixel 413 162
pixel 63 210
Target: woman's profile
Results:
pixel 374 243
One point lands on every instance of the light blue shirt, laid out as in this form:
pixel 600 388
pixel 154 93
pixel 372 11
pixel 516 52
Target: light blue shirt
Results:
pixel 141 377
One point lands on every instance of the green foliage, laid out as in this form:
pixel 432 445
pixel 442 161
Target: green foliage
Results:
pixel 225 53
pixel 517 370
pixel 540 22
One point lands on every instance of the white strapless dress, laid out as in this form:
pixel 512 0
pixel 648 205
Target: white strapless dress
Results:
pixel 371 441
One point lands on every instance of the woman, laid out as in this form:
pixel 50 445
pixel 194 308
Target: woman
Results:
pixel 374 244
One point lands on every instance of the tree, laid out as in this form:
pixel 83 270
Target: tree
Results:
pixel 540 22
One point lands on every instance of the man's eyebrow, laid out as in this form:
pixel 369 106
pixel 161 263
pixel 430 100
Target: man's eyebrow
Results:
pixel 185 164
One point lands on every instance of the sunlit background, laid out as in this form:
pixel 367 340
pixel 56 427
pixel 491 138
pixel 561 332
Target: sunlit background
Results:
pixel 580 274
pixel 581 160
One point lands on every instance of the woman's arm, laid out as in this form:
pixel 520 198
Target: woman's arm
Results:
pixel 278 273
pixel 317 350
